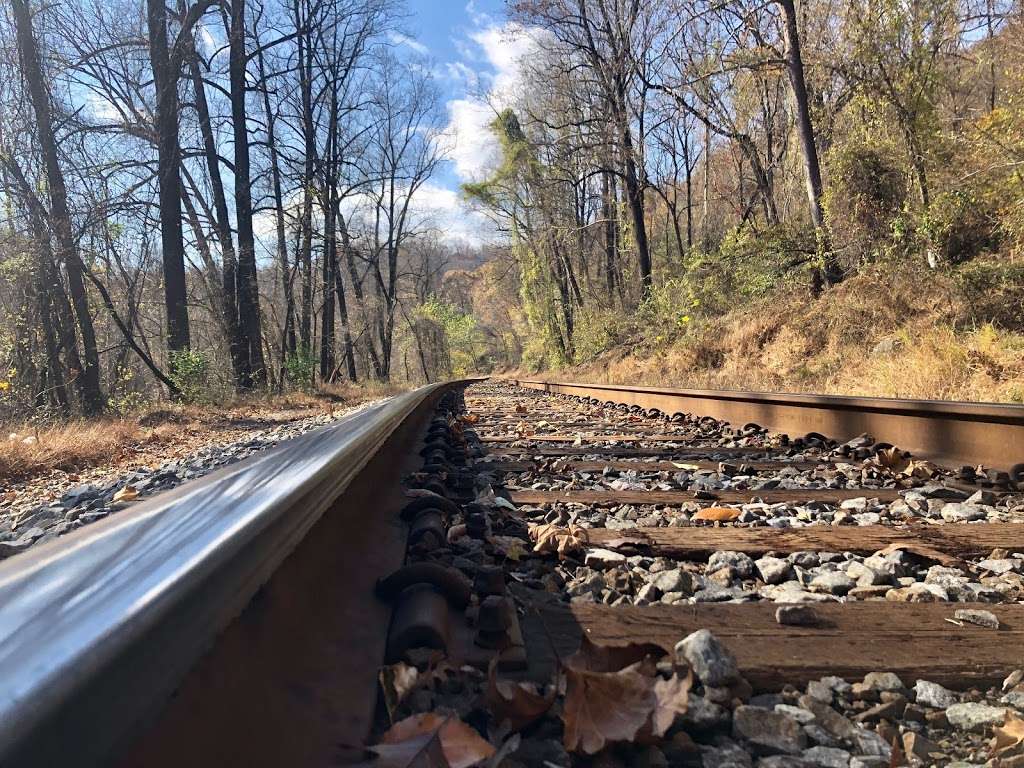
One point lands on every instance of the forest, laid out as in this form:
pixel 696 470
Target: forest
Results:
pixel 216 198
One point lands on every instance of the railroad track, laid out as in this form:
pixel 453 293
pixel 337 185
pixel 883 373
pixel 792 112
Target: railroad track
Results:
pixel 539 573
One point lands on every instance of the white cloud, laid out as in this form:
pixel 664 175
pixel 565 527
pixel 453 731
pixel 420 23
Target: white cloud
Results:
pixel 502 46
pixel 444 210
pixel 474 149
pixel 409 42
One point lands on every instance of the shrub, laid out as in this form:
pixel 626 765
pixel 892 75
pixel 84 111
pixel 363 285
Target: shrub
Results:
pixel 992 292
pixel 867 190
pixel 299 367
pixel 958 226
pixel 190 371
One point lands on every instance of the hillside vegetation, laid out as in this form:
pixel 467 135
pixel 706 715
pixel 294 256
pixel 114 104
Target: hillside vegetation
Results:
pixel 871 245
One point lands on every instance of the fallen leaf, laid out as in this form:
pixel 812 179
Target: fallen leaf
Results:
pixel 722 514
pixel 423 751
pixel 552 538
pixel 128 493
pixel 520 409
pixel 595 657
pixel 396 681
pixel 892 458
pixel 579 439
pixel 469 418
pixel 923 470
pixel 462 746
pixel 896 756
pixel 673 697
pixel 517 703
pixel 603 707
pixel 1009 737
pixel 680 465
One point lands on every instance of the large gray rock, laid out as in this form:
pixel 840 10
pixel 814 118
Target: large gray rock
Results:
pixel 726 755
pixel 604 558
pixel 703 715
pixel 934 695
pixel 768 732
pixel 827 757
pixel 975 717
pixel 773 570
pixel 833 583
pixel 962 513
pixel 833 722
pixel 741 562
pixel 711 661
pixel 675 580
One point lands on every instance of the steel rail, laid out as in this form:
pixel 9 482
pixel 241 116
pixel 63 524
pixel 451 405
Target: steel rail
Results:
pixel 97 628
pixel 991 434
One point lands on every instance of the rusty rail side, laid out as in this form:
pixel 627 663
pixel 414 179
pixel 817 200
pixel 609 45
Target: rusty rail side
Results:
pixel 948 432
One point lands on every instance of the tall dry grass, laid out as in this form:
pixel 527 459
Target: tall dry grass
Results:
pixel 28 450
pixel 880 334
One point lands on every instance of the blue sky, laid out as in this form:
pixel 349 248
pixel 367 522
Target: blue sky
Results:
pixel 473 51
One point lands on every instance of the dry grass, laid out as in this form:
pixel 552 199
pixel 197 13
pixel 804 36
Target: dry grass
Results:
pixel 878 334
pixel 28 451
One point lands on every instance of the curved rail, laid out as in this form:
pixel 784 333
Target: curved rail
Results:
pixel 97 628
pixel 991 434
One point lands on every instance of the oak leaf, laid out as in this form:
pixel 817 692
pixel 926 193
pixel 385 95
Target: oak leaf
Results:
pixel 462 746
pixel 603 707
pixel 396 681
pixel 128 493
pixel 1008 738
pixel 517 703
pixel 672 698
pixel 597 657
pixel 549 537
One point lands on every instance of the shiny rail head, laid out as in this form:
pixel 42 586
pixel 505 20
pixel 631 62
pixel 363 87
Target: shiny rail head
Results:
pixel 97 627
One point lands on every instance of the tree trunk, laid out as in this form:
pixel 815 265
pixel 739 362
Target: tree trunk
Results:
pixel 305 258
pixel 831 273
pixel 248 291
pixel 88 380
pixel 350 357
pixel 635 199
pixel 288 330
pixel 165 81
pixel 229 263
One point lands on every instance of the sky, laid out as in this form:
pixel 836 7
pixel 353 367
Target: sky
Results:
pixel 473 50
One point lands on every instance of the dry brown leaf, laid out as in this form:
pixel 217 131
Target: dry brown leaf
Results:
pixel 1009 737
pixel 552 538
pixel 520 409
pixel 921 550
pixel 517 703
pixel 469 418
pixel 673 697
pixel 420 752
pixel 594 657
pixel 396 681
pixel 128 493
pixel 462 746
pixel 602 707
pixel 892 458
pixel 896 756
pixel 923 470
pixel 722 514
